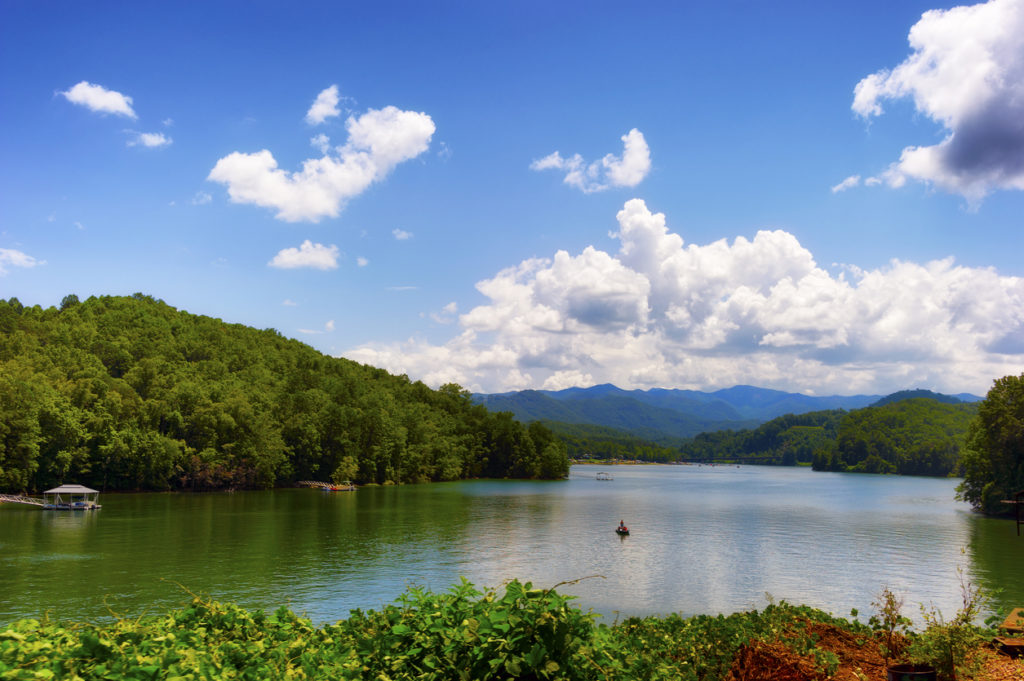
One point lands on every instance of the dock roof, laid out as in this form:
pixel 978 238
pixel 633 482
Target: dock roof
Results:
pixel 71 489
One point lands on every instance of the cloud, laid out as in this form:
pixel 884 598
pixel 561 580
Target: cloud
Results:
pixel 966 73
pixel 289 303
pixel 328 328
pixel 98 98
pixel 848 183
pixel 325 106
pixel 377 141
pixel 760 310
pixel 315 256
pixel 362 262
pixel 12 258
pixel 321 143
pixel 149 139
pixel 446 314
pixel 401 234
pixel 627 170
pixel 201 198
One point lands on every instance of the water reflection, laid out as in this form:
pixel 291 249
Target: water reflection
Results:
pixel 997 559
pixel 704 539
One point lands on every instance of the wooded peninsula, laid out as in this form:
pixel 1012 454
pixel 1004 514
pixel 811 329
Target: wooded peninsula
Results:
pixel 129 393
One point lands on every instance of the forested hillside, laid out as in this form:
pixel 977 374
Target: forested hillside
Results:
pixel 587 441
pixel 787 440
pixel 911 437
pixel 917 436
pixel 126 393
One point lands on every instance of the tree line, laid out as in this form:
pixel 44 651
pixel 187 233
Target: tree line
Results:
pixel 587 441
pixel 787 440
pixel 128 393
pixel 917 436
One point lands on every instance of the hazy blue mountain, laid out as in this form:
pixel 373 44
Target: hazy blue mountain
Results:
pixel 653 424
pixel 739 403
pixel 687 401
pixel 660 414
pixel 765 404
pixel 617 409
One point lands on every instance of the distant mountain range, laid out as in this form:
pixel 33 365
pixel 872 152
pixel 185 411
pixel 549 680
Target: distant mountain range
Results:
pixel 661 414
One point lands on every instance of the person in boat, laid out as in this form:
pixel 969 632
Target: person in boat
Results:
pixel 622 527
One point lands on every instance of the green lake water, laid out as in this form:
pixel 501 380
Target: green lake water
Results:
pixel 705 539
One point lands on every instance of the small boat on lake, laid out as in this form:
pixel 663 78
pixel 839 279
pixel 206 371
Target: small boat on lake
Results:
pixel 622 531
pixel 607 477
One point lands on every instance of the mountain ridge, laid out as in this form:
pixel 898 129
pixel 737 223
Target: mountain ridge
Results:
pixel 658 414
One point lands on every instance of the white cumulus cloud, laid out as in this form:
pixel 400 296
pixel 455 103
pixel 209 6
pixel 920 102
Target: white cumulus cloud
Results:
pixel 151 140
pixel 446 315
pixel 309 254
pixel 848 183
pixel 401 234
pixel 627 170
pixel 324 106
pixel 378 140
pixel 758 310
pixel 965 72
pixel 321 143
pixel 10 257
pixel 100 99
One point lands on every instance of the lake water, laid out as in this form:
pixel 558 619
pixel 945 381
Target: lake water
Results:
pixel 704 540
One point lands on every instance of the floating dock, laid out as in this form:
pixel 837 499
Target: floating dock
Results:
pixel 18 499
pixel 346 486
pixel 63 498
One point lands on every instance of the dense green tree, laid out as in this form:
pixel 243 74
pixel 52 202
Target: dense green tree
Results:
pixel 993 457
pixel 918 436
pixel 787 440
pixel 129 393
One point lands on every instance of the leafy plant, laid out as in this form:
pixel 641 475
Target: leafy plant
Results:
pixel 516 632
pixel 890 621
pixel 947 644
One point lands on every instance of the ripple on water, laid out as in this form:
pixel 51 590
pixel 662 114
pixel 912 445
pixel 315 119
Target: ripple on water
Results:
pixel 704 540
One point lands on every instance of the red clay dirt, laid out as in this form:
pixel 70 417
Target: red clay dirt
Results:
pixel 860 659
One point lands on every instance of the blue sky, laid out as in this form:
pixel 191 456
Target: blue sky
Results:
pixel 818 197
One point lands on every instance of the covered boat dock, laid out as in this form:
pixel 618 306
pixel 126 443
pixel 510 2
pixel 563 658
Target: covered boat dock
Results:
pixel 71 498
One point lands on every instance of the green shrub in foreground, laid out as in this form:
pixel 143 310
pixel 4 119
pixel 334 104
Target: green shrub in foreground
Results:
pixel 522 633
pixel 460 634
